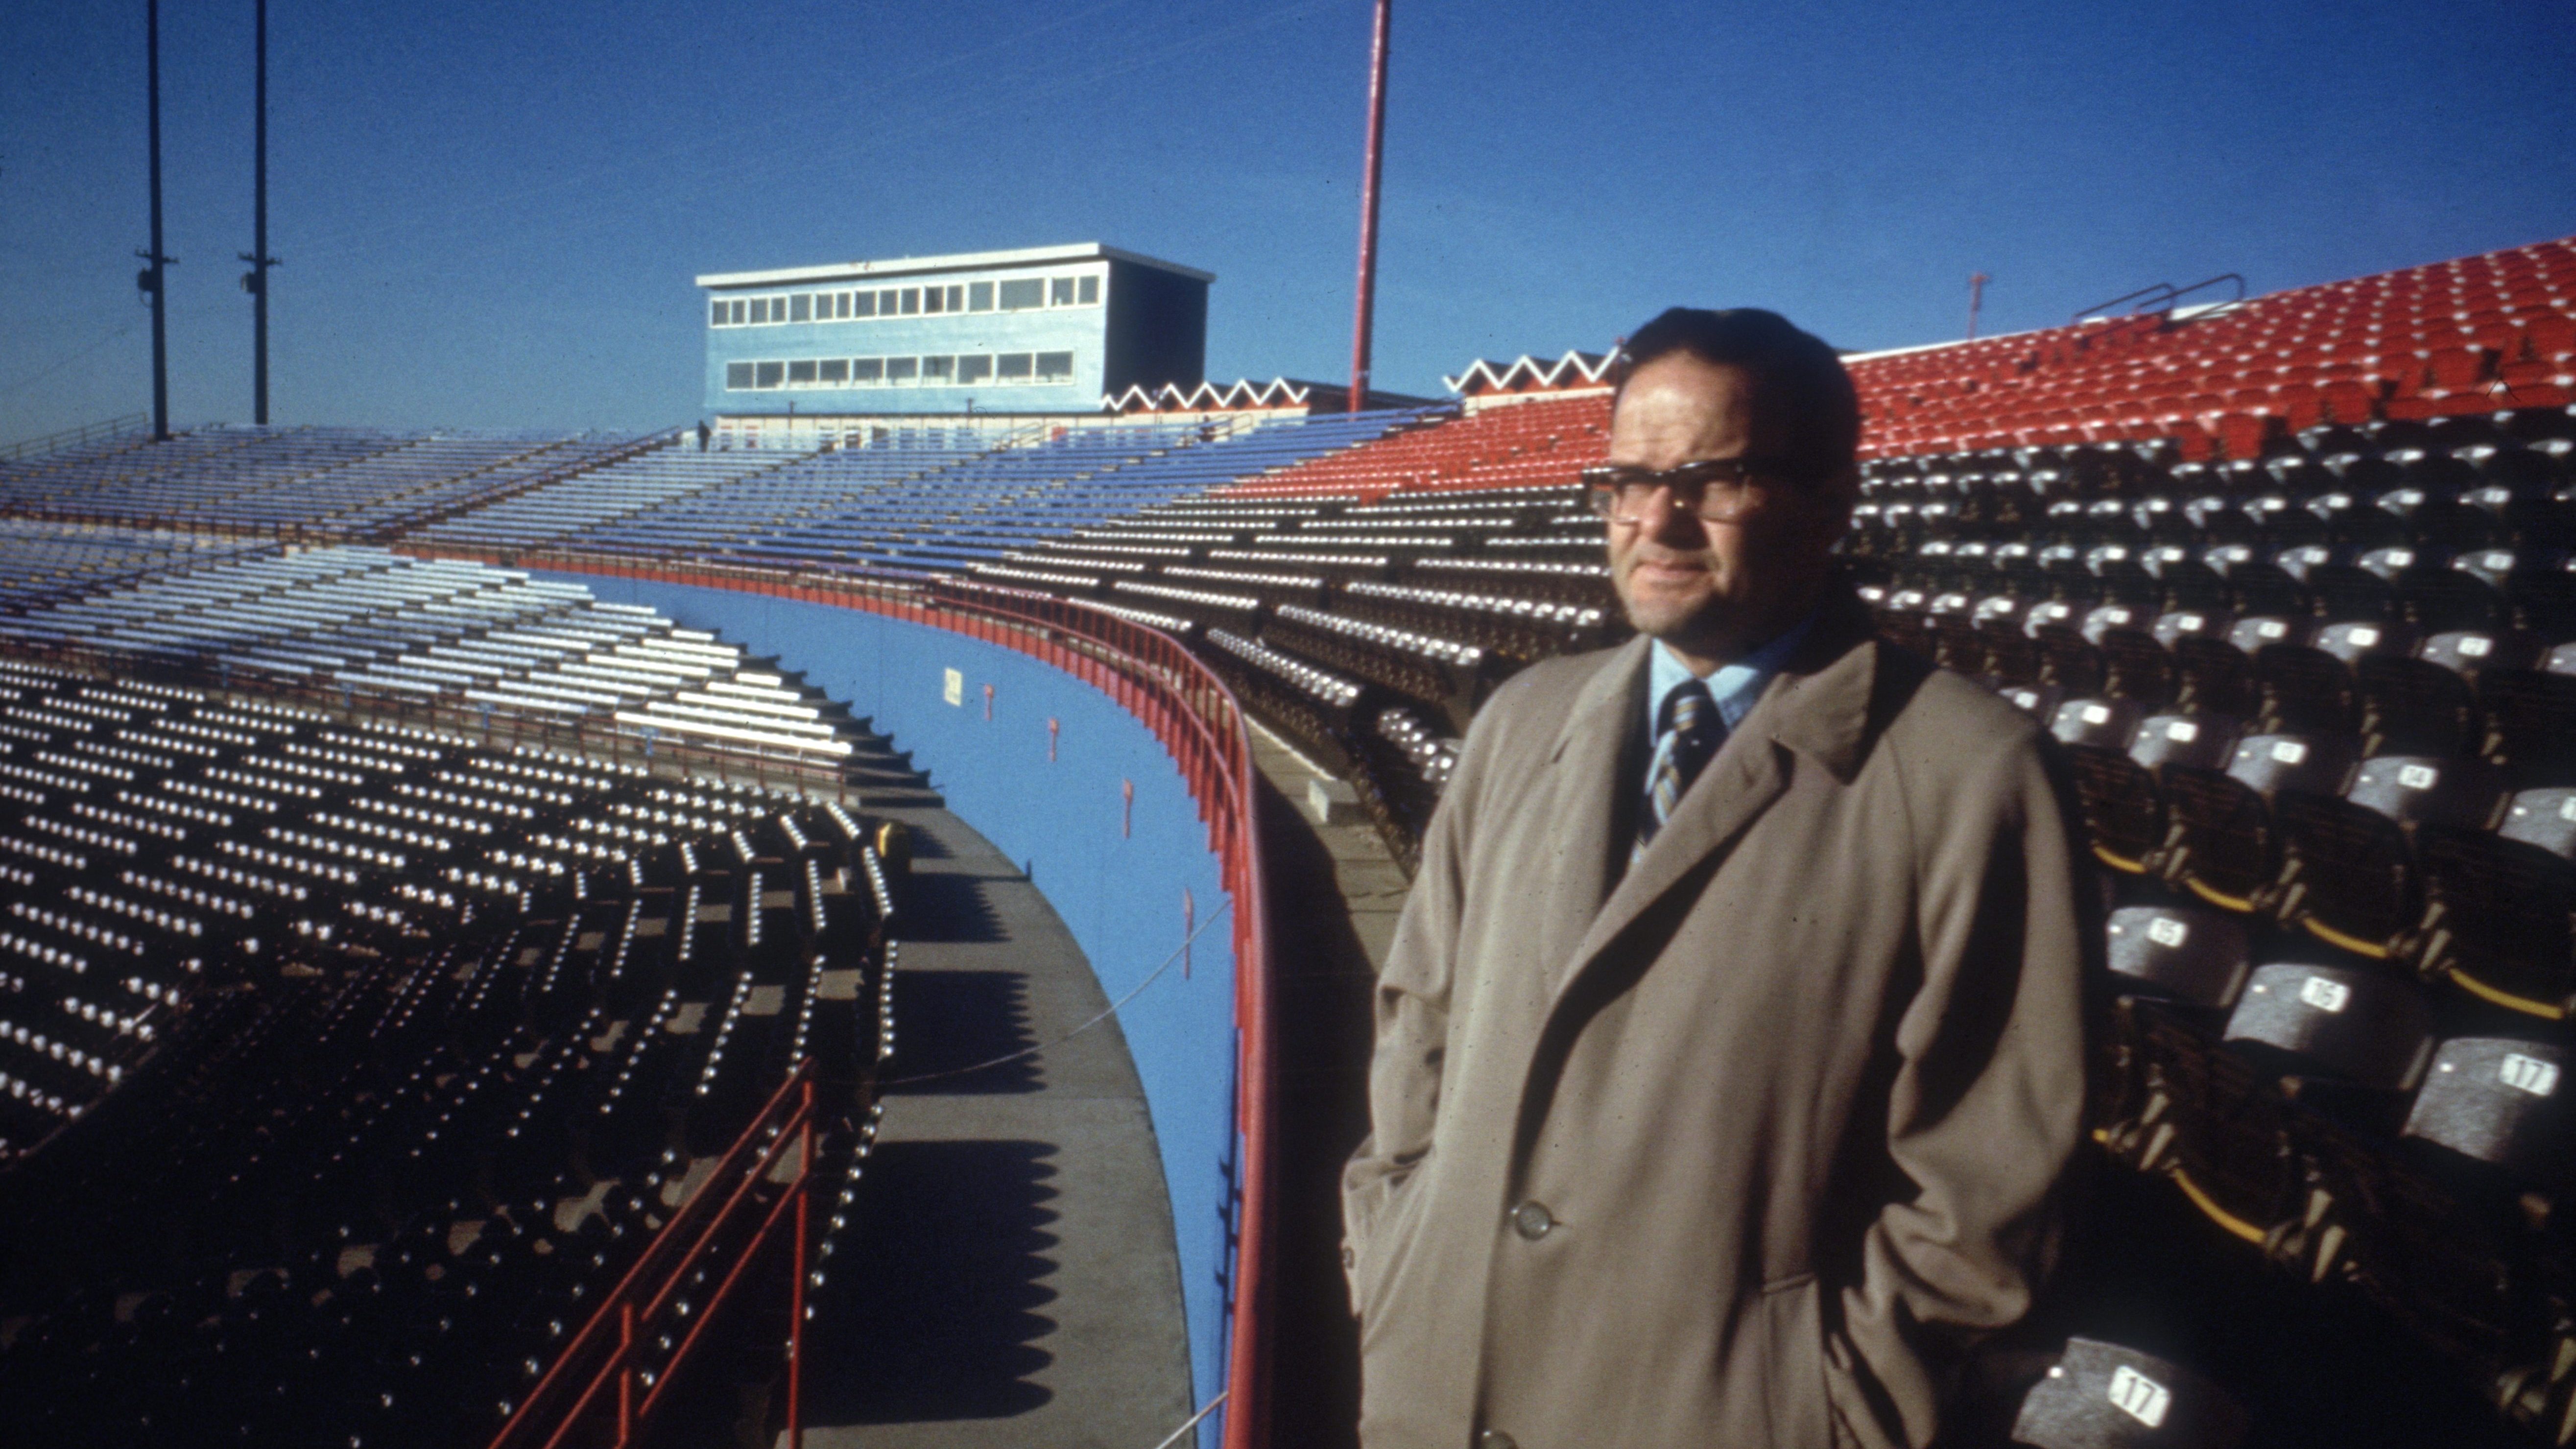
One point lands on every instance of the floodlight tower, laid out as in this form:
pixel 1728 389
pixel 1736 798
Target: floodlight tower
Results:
pixel 156 266
pixel 1365 319
pixel 255 281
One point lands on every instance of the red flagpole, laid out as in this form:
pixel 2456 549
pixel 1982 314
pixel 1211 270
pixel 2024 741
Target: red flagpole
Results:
pixel 1361 324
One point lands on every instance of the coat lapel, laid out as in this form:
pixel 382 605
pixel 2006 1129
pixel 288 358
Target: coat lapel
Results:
pixel 1817 706
pixel 1736 786
pixel 1583 796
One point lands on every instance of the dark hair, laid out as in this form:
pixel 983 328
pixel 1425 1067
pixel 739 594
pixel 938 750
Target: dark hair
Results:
pixel 1796 377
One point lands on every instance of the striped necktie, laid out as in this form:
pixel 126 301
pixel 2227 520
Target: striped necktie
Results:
pixel 1692 732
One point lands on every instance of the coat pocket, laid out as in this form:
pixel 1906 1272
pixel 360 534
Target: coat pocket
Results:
pixel 1381 1262
pixel 1793 1365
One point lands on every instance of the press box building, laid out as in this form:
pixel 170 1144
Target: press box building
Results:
pixel 985 335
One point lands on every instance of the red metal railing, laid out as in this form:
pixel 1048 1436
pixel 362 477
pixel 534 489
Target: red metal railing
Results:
pixel 598 1371
pixel 1155 678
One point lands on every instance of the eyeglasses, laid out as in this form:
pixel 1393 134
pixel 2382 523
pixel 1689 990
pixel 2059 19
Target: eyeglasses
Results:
pixel 1719 490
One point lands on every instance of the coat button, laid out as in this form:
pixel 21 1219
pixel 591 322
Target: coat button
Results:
pixel 1532 1221
pixel 1495 1439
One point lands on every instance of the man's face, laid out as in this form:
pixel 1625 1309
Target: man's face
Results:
pixel 1713 591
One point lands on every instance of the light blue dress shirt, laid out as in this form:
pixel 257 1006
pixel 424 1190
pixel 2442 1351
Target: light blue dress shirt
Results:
pixel 1734 687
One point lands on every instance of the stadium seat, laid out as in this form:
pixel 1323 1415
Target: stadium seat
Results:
pixel 2495 1100
pixel 2107 1396
pixel 2348 873
pixel 2498 907
pixel 2185 954
pixel 2361 1026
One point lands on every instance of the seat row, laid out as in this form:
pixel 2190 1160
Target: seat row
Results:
pixel 458 641
pixel 2357 1135
pixel 2434 863
pixel 2235 374
pixel 900 507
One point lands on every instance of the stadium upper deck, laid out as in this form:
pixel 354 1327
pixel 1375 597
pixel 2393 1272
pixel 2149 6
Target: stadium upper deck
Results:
pixel 2479 335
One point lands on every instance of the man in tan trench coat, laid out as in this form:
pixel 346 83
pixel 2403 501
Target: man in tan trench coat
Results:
pixel 1729 1117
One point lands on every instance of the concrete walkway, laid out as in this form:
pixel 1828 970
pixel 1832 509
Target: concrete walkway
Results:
pixel 1012 1280
pixel 1334 896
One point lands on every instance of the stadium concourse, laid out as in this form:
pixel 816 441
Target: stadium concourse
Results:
pixel 464 887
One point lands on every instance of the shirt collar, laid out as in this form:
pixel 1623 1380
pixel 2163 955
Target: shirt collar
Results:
pixel 1734 687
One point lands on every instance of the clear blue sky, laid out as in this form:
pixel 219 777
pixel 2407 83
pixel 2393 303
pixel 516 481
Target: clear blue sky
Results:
pixel 490 212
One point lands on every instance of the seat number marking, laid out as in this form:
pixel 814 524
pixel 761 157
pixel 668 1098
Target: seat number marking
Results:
pixel 2325 993
pixel 2140 1397
pixel 2528 1074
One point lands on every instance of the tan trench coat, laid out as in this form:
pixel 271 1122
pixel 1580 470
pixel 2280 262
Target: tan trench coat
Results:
pixel 1742 1150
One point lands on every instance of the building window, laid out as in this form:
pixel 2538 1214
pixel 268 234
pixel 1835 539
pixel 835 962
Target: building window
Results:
pixel 902 369
pixel 835 372
pixel 737 377
pixel 1055 366
pixel 1013 366
pixel 974 369
pixel 867 369
pixel 938 370
pixel 1012 295
pixel 770 374
pixel 801 373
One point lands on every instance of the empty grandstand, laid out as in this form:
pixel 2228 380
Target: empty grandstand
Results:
pixel 347 1067
pixel 387 744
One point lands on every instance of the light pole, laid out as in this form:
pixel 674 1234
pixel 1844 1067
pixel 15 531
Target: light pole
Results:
pixel 255 281
pixel 155 274
pixel 1366 315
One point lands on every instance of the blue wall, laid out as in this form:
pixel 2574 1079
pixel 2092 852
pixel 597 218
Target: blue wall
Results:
pixel 1120 894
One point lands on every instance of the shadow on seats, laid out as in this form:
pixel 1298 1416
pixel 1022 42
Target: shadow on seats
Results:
pixel 946 906
pixel 934 1313
pixel 886 778
pixel 945 1020
pixel 926 845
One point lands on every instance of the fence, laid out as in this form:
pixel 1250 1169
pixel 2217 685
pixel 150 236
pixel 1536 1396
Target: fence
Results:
pixel 74 437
